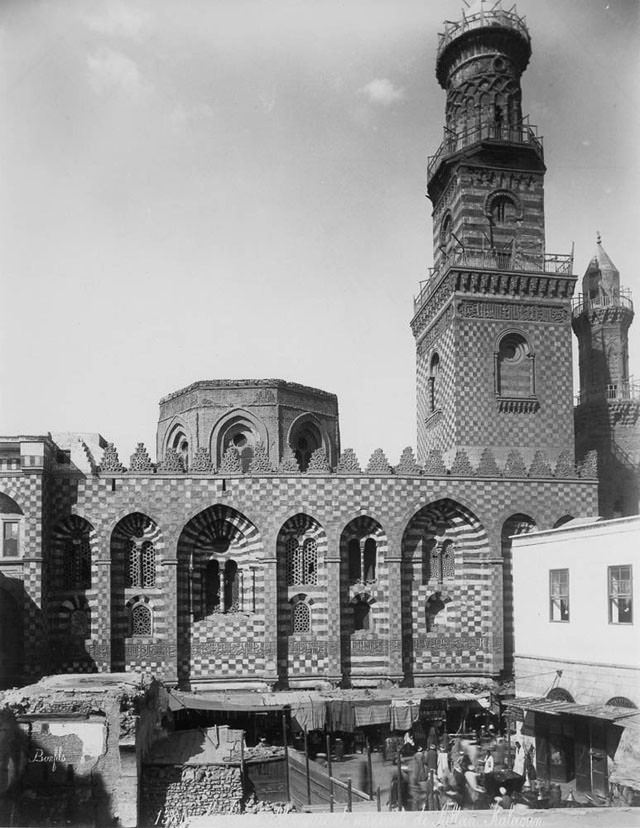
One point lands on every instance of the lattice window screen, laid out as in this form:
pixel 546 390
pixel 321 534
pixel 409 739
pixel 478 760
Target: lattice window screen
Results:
pixel 148 565
pixel 140 620
pixel 134 573
pixel 310 559
pixel 301 617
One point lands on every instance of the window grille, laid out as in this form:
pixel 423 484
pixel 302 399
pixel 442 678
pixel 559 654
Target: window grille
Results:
pixel 77 563
pixel 302 561
pixel 212 587
pixel 140 620
pixel 231 587
pixel 620 595
pixel 148 565
pixel 310 559
pixel 134 575
pixel 448 561
pixel 301 617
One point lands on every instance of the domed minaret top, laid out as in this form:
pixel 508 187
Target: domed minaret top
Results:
pixel 601 280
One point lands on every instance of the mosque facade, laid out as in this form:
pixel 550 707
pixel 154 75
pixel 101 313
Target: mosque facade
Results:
pixel 256 552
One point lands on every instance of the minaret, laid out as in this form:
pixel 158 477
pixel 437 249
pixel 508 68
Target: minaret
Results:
pixel 492 322
pixel 608 411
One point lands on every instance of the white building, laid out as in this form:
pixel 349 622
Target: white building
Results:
pixel 577 651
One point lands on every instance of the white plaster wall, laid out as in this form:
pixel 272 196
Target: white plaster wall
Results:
pixel 586 551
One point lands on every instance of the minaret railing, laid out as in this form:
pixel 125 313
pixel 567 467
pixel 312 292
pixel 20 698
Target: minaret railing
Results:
pixel 480 20
pixel 521 133
pixel 620 298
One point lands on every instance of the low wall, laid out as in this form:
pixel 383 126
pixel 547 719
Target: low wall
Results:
pixel 178 791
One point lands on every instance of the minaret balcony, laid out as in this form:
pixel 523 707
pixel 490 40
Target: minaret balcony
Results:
pixel 520 271
pixel 493 134
pixel 481 20
pixel 627 390
pixel 621 298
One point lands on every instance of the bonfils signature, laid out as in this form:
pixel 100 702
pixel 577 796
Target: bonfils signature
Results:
pixel 40 756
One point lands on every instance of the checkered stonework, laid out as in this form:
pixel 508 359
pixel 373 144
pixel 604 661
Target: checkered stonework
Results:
pixel 194 519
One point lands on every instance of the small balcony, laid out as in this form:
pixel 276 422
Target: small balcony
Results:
pixel 621 298
pixel 488 131
pixel 627 390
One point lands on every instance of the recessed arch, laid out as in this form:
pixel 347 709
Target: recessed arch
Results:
pixel 11 526
pixel 241 429
pixel 307 434
pixel 177 438
pixel 516 524
pixel 514 369
pixel 8 506
pixel 73 546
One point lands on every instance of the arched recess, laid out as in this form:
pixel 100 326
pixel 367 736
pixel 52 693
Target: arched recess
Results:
pixel 301 549
pixel 73 547
pixel 306 435
pixel 177 439
pixel 11 527
pixel 518 524
pixel 561 521
pixel 136 550
pixel 435 588
pixel 241 429
pixel 363 572
pixel 11 635
pixel 220 596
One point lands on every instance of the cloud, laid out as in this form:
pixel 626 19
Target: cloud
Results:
pixel 118 19
pixel 381 91
pixel 110 70
pixel 184 117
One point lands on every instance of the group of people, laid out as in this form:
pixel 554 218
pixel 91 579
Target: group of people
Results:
pixel 465 774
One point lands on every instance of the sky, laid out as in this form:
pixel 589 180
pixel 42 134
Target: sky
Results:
pixel 199 189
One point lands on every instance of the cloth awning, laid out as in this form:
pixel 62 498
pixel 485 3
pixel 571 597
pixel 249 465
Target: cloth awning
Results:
pixel 241 702
pixel 536 704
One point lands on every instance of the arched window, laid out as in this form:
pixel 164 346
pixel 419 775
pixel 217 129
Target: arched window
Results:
pixel 361 613
pixel 429 559
pixel 620 701
pixel 446 229
pixel 179 442
pixel 560 694
pixel 514 368
pixel 212 587
pixel 438 561
pixel 77 561
pixel 142 564
pixel 434 383
pixel 301 620
pixel 503 211
pixel 140 620
pixel 240 432
pixel 362 560
pixel 302 561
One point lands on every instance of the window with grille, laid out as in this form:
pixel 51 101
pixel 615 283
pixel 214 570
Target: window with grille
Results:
pixel 301 617
pixel 140 620
pixel 559 594
pixel 142 564
pixel 302 561
pixel 231 587
pixel 77 562
pixel 620 595
pixel 448 563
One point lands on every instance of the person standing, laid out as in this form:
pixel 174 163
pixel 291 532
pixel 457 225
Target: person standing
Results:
pixel 488 763
pixel 518 760
pixel 432 758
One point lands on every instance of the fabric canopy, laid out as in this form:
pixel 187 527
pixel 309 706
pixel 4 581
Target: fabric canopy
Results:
pixel 242 702
pixel 618 715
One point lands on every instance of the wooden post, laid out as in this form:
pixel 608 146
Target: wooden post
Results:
pixel 306 762
pixel 369 765
pixel 399 764
pixel 286 754
pixel 329 769
pixel 378 799
pixel 349 796
pixel 242 758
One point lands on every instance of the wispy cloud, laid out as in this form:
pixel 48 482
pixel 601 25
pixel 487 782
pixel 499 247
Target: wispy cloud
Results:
pixel 110 70
pixel 117 19
pixel 184 117
pixel 382 92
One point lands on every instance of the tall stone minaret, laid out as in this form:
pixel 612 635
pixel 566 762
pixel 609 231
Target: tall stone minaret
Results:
pixel 492 322
pixel 607 417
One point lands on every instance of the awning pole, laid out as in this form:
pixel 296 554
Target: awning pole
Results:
pixel 370 768
pixel 306 761
pixel 286 753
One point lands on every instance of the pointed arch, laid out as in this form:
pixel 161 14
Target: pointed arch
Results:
pixel 73 546
pixel 516 524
